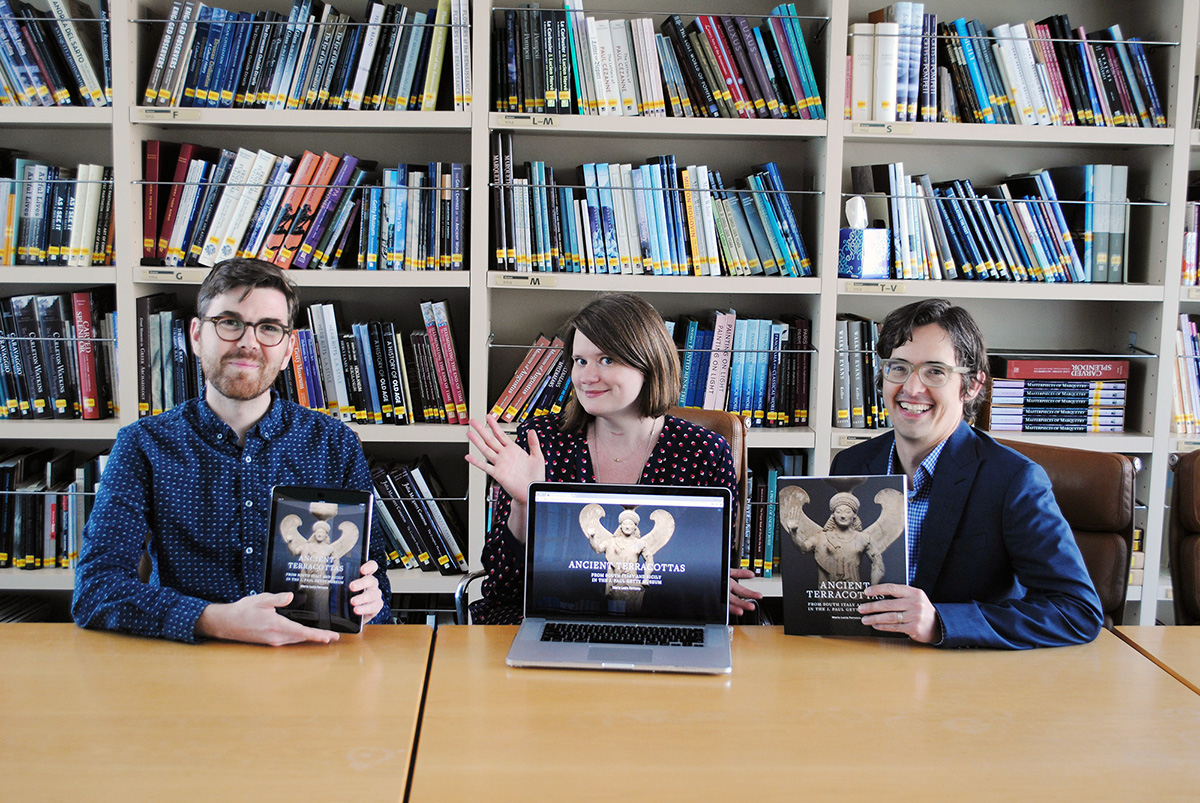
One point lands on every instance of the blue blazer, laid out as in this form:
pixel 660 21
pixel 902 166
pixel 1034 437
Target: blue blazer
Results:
pixel 997 559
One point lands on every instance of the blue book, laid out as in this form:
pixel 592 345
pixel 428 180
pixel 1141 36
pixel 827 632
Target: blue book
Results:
pixel 758 232
pixel 678 221
pixel 566 206
pixel 366 362
pixel 643 212
pixel 662 250
pixel 787 218
pixel 737 366
pixel 312 375
pixel 787 266
pixel 1075 264
pixel 231 32
pixel 543 206
pixel 592 196
pixel 608 219
pixel 689 360
pixel 195 62
pixel 981 93
pixel 210 57
pixel 704 341
pixel 762 357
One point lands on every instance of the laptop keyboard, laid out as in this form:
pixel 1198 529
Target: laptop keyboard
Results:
pixel 624 634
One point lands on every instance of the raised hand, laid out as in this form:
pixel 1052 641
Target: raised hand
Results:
pixel 504 460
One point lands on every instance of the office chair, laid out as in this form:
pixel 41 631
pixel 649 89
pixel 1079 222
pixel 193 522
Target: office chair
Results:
pixel 1183 543
pixel 1095 491
pixel 729 426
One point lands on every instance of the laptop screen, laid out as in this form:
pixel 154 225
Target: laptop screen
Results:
pixel 645 553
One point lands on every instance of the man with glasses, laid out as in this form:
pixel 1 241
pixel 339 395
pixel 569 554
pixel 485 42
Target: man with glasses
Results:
pixel 192 486
pixel 992 562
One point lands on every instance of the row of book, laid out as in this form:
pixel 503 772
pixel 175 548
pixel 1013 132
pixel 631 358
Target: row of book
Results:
pixel 1055 394
pixel 58 57
pixel 313 58
pixel 1191 235
pixel 758 547
pixel 655 219
pixel 45 498
pixel 758 368
pixel 1061 224
pixel 562 61
pixel 905 65
pixel 58 355
pixel 307 212
pixel 55 216
pixel 368 373
pixel 857 402
pixel 421 527
pixel 1185 398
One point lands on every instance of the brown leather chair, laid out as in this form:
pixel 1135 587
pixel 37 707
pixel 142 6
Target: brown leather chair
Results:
pixel 733 429
pixel 1183 542
pixel 1095 491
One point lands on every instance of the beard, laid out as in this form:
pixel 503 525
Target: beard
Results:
pixel 235 383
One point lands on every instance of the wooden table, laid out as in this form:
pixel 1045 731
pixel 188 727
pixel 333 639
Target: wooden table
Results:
pixel 809 718
pixel 1175 649
pixel 102 716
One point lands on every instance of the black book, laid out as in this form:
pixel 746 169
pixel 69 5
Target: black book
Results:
pixel 257 34
pixel 49 56
pixel 450 525
pixel 395 374
pixel 146 307
pixel 427 527
pixel 689 62
pixel 12 374
pixel 394 502
pixel 381 58
pixel 354 381
pixel 54 329
pixel 1068 60
pixel 208 207
pixel 416 94
pixel 261 78
pixel 25 328
pixel 382 384
pixel 100 245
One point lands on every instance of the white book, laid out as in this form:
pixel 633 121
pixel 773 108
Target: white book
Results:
pixel 230 195
pixel 915 30
pixel 92 188
pixel 318 32
pixel 632 236
pixel 1101 194
pixel 187 207
pixel 75 224
pixel 76 49
pixel 292 90
pixel 642 72
pixel 1117 219
pixel 416 183
pixel 524 220
pixel 901 14
pixel 395 65
pixel 598 82
pixel 1013 75
pixel 581 37
pixel 624 247
pixel 623 62
pixel 255 183
pixel 862 70
pixel 647 241
pixel 337 368
pixel 281 74
pixel 887 53
pixel 1033 77
pixel 458 52
pixel 706 215
pixel 584 230
pixel 367 54
pixel 654 67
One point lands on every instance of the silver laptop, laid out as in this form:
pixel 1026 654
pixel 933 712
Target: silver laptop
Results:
pixel 631 577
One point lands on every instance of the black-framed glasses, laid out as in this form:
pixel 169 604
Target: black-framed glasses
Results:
pixel 931 374
pixel 231 330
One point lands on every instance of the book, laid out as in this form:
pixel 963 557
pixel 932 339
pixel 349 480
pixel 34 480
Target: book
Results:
pixel 839 536
pixel 1043 366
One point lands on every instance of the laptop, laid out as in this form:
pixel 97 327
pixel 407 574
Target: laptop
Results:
pixel 632 577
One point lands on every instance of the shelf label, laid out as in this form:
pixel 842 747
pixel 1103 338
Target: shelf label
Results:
pixel 850 440
pixel 881 128
pixel 1193 293
pixel 179 275
pixel 1186 446
pixel 523 280
pixel 530 120
pixel 886 288
pixel 149 115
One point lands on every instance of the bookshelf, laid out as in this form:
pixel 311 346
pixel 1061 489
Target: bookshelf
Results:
pixel 497 314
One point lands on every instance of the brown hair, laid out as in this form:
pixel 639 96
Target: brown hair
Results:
pixel 248 274
pixel 630 331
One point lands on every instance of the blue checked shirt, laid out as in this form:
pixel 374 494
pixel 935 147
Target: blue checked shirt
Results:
pixel 918 502
pixel 181 479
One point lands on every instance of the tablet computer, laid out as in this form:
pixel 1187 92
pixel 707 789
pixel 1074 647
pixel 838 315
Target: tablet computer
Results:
pixel 318 542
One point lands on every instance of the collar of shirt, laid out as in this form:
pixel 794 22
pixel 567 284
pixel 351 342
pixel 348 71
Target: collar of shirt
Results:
pixel 214 429
pixel 924 470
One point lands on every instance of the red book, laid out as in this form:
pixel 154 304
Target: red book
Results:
pixel 441 317
pixel 535 379
pixel 187 152
pixel 292 198
pixel 521 374
pixel 298 372
pixel 1080 367
pixel 725 63
pixel 89 396
pixel 441 372
pixel 303 216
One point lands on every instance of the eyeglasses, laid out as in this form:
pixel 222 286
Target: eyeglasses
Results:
pixel 231 330
pixel 931 374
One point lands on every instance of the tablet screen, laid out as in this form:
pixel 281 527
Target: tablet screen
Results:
pixel 318 541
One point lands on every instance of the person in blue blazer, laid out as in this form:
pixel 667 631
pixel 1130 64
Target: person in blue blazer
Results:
pixel 992 562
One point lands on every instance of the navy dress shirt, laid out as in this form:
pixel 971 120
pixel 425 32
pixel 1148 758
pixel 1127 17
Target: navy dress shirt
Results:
pixel 179 485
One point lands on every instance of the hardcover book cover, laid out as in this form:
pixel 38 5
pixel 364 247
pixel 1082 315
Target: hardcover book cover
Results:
pixel 839 535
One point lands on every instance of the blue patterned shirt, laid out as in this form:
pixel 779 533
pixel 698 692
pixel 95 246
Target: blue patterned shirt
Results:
pixel 181 479
pixel 918 502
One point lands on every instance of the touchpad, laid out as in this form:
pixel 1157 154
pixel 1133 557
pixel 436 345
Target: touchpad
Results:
pixel 621 655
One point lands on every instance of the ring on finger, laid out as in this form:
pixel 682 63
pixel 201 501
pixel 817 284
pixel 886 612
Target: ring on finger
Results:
pixel 899 617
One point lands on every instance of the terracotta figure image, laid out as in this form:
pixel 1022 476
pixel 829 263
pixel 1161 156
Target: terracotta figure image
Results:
pixel 841 542
pixel 624 547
